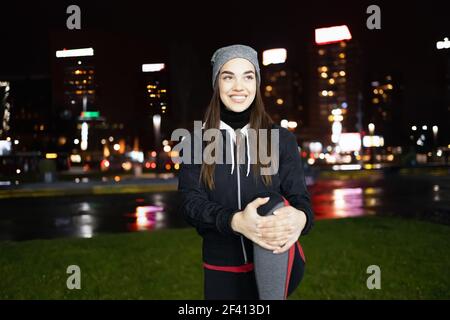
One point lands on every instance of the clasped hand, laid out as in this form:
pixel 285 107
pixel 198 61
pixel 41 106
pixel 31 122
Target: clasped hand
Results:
pixel 277 232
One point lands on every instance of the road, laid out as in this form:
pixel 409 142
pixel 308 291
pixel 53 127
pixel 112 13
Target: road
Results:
pixel 84 216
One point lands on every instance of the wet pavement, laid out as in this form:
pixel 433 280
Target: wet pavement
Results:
pixel 84 216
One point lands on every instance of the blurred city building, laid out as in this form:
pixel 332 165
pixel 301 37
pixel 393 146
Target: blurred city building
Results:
pixel 283 90
pixel 335 79
pixel 155 111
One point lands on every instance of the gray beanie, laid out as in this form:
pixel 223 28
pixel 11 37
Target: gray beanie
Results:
pixel 225 54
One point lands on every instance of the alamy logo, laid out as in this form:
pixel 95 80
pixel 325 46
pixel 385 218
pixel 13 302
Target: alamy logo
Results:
pixel 246 142
pixel 374 20
pixel 74 20
pixel 374 280
pixel 74 280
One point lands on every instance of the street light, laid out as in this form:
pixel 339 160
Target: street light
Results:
pixel 157 128
pixel 84 135
pixel 371 128
pixel 435 133
pixel 372 151
pixel 435 130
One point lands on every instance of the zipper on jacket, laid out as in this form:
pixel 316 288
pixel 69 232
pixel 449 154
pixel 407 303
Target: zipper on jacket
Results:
pixel 239 193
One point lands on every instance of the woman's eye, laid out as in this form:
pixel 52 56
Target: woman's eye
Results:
pixel 226 78
pixel 249 77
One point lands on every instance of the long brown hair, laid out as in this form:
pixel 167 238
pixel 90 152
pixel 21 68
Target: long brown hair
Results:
pixel 259 119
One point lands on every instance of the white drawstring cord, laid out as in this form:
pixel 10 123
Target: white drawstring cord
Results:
pixel 233 138
pixel 232 154
pixel 248 155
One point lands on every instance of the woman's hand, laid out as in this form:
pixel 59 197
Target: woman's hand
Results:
pixel 245 223
pixel 282 229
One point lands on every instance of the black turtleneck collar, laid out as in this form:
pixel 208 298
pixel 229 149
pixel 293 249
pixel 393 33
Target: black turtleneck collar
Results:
pixel 236 120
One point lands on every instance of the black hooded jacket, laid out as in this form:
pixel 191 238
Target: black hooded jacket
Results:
pixel 211 211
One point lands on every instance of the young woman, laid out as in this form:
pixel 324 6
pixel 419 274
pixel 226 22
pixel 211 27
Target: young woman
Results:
pixel 250 220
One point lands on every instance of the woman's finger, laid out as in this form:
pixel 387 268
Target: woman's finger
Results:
pixel 276 235
pixel 266 245
pixel 273 224
pixel 278 243
pixel 286 246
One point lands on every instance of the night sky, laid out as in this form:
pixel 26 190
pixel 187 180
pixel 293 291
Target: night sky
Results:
pixel 145 31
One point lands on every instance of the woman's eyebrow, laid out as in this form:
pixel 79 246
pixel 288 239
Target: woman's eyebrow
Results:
pixel 229 72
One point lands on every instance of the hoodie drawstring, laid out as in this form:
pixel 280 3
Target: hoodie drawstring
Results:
pixel 232 155
pixel 248 155
pixel 232 133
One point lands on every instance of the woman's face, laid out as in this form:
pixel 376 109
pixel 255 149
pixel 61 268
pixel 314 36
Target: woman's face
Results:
pixel 237 84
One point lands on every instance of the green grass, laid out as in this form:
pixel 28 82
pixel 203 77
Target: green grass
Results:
pixel 414 258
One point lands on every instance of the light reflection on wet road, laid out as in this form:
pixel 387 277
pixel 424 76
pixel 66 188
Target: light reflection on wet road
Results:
pixel 424 198
pixel 86 216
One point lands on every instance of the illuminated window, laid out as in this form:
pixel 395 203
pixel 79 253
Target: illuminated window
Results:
pixel 274 56
pixel 331 81
pixel 324 93
pixel 324 75
pixel 280 101
pixel 342 73
pixel 269 88
pixel 332 34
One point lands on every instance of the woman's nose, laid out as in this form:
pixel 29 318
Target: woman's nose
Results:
pixel 238 86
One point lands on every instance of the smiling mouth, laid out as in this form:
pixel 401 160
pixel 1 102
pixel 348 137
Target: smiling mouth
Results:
pixel 238 98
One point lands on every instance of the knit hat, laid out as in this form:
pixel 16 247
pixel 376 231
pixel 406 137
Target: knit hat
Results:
pixel 225 54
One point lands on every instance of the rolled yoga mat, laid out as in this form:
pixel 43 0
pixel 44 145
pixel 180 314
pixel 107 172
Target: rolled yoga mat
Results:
pixel 271 270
